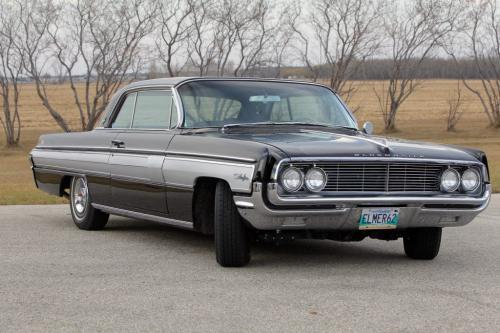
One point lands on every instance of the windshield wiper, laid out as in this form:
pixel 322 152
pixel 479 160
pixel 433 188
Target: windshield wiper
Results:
pixel 347 127
pixel 259 123
pixel 288 123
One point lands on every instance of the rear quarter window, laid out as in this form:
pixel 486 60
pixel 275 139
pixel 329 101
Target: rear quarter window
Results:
pixel 152 110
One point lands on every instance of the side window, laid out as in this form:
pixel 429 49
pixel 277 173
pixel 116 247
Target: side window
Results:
pixel 174 118
pixel 152 109
pixel 126 112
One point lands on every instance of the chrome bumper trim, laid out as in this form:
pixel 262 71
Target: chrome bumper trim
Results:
pixel 347 212
pixel 277 200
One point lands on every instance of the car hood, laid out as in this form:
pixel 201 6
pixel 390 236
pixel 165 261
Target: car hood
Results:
pixel 312 143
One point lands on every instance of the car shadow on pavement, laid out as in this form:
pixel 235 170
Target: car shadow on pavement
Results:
pixel 304 252
pixel 314 252
pixel 158 234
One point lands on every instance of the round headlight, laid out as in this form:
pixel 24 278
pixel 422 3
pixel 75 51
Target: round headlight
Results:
pixel 450 180
pixel 315 179
pixel 470 180
pixel 292 179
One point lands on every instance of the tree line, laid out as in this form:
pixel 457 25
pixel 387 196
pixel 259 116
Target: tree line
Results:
pixel 97 46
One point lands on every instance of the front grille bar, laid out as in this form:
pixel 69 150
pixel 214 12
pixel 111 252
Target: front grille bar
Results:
pixel 378 176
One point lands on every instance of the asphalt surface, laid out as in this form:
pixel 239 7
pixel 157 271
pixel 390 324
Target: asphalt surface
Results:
pixel 139 276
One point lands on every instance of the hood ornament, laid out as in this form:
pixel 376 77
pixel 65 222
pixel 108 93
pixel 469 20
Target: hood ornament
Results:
pixel 382 145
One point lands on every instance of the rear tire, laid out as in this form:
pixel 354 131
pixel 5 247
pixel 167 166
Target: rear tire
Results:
pixel 422 243
pixel 84 215
pixel 232 245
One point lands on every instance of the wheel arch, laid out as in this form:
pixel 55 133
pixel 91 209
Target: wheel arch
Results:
pixel 203 203
pixel 64 185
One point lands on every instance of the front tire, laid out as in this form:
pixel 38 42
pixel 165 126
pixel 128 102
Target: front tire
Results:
pixel 232 245
pixel 422 243
pixel 84 215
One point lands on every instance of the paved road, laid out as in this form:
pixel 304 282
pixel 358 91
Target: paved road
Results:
pixel 138 276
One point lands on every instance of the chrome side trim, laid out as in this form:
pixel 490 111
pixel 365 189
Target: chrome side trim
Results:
pixel 72 172
pixel 137 180
pixel 205 161
pixel 103 150
pixel 142 216
pixel 212 156
pixel 182 186
pixel 73 148
pixel 145 152
pixel 132 130
pixel 137 151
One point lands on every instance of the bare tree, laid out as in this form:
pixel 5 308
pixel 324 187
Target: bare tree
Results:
pixel 201 46
pixel 345 33
pixel 233 37
pixel 256 41
pixel 483 39
pixel 284 35
pixel 96 43
pixel 175 26
pixel 10 72
pixel 302 43
pixel 235 23
pixel 35 18
pixel 455 111
pixel 413 33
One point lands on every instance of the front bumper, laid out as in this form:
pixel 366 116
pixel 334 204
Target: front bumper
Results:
pixel 297 214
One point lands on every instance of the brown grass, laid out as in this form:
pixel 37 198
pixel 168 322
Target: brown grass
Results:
pixel 422 117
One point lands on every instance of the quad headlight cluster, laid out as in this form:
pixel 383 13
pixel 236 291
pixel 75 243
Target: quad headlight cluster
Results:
pixel 293 179
pixel 468 180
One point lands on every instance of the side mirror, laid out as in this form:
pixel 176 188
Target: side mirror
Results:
pixel 368 128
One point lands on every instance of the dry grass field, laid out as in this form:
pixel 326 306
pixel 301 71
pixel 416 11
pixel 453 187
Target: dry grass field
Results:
pixel 422 117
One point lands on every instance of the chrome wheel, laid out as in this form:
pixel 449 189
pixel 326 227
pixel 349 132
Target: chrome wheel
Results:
pixel 84 215
pixel 79 196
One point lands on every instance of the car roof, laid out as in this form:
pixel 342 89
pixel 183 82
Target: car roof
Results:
pixel 176 81
pixel 167 81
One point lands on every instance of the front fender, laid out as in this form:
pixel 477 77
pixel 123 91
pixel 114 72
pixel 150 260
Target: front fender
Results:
pixel 183 171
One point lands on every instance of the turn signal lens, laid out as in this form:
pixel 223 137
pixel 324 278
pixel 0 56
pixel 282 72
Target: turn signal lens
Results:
pixel 292 179
pixel 315 179
pixel 470 180
pixel 450 180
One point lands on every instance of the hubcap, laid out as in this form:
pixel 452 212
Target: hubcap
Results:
pixel 80 196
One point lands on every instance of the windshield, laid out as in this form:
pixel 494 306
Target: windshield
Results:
pixel 218 103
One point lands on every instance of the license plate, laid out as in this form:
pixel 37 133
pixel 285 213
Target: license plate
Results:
pixel 379 218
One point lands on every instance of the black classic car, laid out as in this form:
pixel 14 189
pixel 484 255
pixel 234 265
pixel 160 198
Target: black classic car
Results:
pixel 251 160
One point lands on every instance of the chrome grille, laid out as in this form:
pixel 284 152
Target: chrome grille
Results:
pixel 379 176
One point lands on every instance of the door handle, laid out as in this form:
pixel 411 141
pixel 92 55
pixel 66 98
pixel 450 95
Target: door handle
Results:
pixel 118 143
